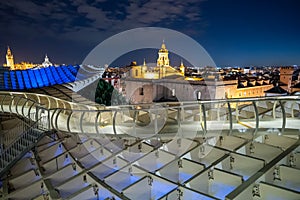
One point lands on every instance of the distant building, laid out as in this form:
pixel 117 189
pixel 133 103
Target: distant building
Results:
pixel 46 62
pixel 160 71
pixel 163 56
pixel 286 75
pixel 23 65
pixel 165 83
pixel 9 59
pixel 16 66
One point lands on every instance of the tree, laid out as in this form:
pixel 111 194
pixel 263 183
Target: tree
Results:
pixel 107 95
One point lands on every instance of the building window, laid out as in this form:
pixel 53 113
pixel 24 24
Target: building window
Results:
pixel 136 72
pixel 199 95
pixel 173 92
pixel 141 91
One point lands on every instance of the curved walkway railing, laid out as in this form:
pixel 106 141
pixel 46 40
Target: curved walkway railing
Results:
pixel 257 116
pixel 264 115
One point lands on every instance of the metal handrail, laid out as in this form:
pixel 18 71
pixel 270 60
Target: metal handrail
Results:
pixel 53 113
pixel 34 126
pixel 7 135
pixel 166 104
pixel 20 145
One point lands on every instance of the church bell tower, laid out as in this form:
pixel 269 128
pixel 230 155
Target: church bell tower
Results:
pixel 163 56
pixel 10 59
pixel 182 68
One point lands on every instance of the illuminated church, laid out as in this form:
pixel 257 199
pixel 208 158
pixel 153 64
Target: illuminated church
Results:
pixel 160 71
pixel 46 62
pixel 163 82
pixel 23 65
pixel 10 59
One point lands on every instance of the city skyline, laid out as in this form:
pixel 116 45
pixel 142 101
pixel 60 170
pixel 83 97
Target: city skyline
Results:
pixel 233 32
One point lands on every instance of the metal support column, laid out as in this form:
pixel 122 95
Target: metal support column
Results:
pixel 204 119
pixel 256 118
pixel 230 118
pixel 283 117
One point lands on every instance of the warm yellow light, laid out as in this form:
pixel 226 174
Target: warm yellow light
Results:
pixel 150 75
pixel 193 79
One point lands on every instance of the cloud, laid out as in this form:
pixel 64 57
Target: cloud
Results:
pixel 78 21
pixel 97 16
pixel 163 12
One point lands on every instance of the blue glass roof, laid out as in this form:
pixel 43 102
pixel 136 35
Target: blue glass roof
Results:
pixel 37 77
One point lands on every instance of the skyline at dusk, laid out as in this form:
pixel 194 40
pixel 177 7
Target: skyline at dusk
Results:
pixel 233 32
pixel 150 99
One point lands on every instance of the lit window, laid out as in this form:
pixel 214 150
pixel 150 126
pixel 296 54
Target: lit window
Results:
pixel 173 92
pixel 199 95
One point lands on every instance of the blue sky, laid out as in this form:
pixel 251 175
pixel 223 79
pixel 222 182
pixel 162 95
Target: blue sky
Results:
pixel 234 32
